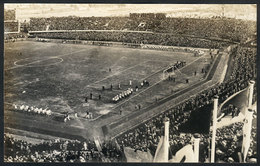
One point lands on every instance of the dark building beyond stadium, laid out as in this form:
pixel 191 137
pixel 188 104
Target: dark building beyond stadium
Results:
pixel 233 38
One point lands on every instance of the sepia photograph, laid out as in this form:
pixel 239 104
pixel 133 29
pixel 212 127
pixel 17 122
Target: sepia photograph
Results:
pixel 130 83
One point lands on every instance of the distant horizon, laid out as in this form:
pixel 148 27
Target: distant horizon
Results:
pixel 238 11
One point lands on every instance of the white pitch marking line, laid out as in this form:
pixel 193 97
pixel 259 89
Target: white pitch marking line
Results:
pixel 60 60
pixel 114 74
pixel 42 59
pixel 154 73
pixel 152 85
pixel 91 85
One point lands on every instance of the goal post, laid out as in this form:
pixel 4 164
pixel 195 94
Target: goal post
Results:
pixel 170 71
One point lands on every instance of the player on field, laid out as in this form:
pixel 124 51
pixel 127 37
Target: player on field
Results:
pixel 142 84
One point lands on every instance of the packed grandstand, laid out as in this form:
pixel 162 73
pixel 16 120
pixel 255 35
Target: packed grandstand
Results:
pixel 186 32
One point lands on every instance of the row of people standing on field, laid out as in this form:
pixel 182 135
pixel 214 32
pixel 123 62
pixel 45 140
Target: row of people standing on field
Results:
pixel 31 109
pixel 177 65
pixel 129 91
pixel 122 95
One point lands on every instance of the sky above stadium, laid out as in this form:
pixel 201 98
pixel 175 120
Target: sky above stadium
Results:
pixel 240 11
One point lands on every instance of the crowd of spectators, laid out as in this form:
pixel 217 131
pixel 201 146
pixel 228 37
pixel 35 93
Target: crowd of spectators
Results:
pixel 224 28
pixel 203 33
pixel 233 29
pixel 9 15
pixel 13 37
pixel 229 110
pixel 147 135
pixel 58 151
pixel 78 23
pixel 11 26
pixel 135 38
pixel 228 141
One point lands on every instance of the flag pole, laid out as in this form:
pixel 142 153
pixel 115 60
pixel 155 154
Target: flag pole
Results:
pixel 251 92
pixel 214 128
pixel 247 133
pixel 196 147
pixel 248 122
pixel 166 137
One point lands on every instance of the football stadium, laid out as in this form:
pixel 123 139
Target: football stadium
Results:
pixel 145 87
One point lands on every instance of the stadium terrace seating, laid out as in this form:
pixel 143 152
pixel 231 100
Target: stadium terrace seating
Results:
pixel 135 37
pixel 57 151
pixel 11 26
pixel 77 23
pixel 224 28
pixel 146 136
pixel 13 36
pixel 9 15
pixel 233 29
pixel 169 31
